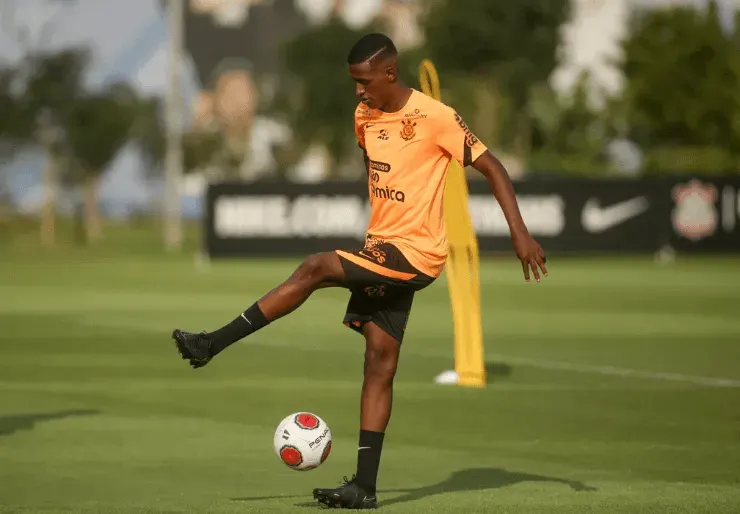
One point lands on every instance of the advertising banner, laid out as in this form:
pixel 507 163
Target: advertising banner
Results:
pixel 567 215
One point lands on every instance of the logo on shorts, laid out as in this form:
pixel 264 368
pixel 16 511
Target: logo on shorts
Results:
pixel 408 131
pixel 375 290
pixel 374 254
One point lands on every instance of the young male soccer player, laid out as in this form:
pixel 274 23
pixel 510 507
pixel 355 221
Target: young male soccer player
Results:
pixel 408 140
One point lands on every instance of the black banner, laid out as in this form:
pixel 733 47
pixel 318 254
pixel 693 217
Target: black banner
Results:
pixel 565 215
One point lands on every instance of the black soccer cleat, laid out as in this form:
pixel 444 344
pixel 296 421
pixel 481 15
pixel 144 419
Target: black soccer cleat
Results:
pixel 350 495
pixel 195 348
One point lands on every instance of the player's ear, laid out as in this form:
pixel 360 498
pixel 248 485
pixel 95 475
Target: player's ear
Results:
pixel 391 74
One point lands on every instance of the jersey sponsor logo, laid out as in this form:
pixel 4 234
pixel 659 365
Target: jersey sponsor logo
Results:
pixel 408 132
pixel 384 135
pixel 470 139
pixel 380 166
pixel 386 193
pixel 371 241
pixel 416 114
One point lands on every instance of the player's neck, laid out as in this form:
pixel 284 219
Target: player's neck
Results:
pixel 399 99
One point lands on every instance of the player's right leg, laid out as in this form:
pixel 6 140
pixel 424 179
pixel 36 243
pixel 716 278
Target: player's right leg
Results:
pixel 316 272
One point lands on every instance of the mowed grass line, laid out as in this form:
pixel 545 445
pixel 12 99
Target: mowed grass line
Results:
pixel 97 413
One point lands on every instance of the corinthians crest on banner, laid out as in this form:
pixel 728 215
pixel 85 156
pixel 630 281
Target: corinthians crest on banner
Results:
pixel 695 213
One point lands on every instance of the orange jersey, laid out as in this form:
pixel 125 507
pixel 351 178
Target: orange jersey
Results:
pixel 408 154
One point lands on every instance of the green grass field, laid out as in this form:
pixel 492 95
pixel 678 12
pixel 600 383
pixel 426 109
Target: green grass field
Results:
pixel 614 388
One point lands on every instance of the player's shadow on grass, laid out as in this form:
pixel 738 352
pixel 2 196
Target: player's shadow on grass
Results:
pixel 475 479
pixel 13 423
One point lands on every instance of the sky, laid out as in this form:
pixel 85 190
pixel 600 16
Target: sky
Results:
pixel 130 42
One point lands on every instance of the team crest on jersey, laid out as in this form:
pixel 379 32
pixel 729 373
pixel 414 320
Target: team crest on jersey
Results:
pixel 470 139
pixel 408 131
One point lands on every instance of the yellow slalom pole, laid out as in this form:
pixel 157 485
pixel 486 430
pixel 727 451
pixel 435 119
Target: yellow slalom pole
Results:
pixel 463 262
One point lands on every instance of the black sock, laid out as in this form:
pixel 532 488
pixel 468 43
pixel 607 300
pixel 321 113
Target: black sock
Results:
pixel 368 459
pixel 248 322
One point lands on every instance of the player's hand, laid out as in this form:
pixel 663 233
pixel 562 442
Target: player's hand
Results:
pixel 531 255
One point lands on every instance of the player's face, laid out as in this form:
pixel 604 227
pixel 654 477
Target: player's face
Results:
pixel 371 84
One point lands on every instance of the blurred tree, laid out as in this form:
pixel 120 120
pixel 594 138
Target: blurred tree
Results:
pixel 319 104
pixel 503 49
pixel 26 122
pixel 98 126
pixel 148 132
pixel 570 135
pixel 53 82
pixel 681 99
pixel 202 151
pixel 10 120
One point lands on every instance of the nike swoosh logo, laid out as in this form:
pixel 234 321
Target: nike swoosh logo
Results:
pixel 364 448
pixel 596 218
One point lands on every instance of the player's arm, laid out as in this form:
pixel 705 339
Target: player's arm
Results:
pixel 454 136
pixel 498 178
pixel 366 159
pixel 360 135
pixel 527 249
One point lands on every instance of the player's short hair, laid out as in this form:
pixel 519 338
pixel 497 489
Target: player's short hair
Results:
pixel 371 47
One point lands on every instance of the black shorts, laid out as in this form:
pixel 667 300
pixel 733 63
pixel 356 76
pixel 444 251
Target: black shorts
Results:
pixel 382 285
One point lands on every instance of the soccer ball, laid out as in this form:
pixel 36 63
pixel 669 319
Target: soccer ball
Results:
pixel 302 441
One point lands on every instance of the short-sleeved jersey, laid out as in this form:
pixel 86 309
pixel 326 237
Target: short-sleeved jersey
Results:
pixel 408 154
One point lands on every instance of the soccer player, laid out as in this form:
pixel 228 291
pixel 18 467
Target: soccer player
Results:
pixel 408 140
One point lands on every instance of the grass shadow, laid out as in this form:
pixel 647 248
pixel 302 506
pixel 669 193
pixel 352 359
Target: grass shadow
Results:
pixel 496 370
pixel 479 479
pixel 13 423
pixel 474 479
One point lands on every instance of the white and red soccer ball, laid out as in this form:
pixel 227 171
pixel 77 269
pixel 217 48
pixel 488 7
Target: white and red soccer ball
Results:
pixel 302 441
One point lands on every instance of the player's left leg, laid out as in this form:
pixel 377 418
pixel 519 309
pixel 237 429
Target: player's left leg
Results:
pixel 316 272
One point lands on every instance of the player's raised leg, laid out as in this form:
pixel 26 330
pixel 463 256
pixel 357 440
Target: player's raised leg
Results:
pixel 316 272
pixel 381 361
